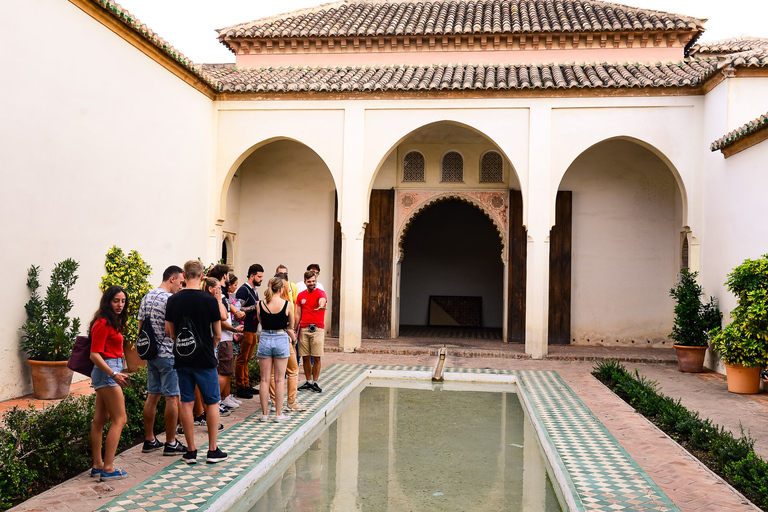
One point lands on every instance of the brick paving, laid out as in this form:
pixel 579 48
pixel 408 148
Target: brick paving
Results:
pixel 690 485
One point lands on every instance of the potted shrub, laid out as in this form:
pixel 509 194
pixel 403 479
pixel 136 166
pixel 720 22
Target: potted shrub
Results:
pixel 49 334
pixel 131 273
pixel 743 344
pixel 693 321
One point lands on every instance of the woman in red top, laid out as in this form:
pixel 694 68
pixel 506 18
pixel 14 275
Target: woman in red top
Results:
pixel 107 378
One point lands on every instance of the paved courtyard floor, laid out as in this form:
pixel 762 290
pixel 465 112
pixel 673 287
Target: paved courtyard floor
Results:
pixel 687 483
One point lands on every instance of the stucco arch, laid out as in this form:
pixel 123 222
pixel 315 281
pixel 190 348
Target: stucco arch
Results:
pixel 576 152
pixel 403 231
pixel 221 209
pixel 382 157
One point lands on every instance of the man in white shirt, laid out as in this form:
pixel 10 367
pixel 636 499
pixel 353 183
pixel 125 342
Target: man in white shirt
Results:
pixel 312 267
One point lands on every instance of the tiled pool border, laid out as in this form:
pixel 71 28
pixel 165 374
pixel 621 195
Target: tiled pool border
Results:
pixel 256 447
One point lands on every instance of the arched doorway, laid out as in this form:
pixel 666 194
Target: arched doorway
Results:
pixel 281 206
pixel 433 163
pixel 626 245
pixel 451 272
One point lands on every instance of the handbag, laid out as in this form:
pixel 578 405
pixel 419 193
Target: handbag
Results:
pixel 80 360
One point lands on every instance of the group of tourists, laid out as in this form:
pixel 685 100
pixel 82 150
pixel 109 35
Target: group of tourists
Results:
pixel 206 330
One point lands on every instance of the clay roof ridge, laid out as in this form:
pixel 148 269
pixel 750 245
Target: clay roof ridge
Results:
pixel 756 125
pixel 731 45
pixel 700 21
pixel 142 30
pixel 285 15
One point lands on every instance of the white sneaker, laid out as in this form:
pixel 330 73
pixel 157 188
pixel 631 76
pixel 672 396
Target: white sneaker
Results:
pixel 265 417
pixel 229 402
pixel 238 402
pixel 281 417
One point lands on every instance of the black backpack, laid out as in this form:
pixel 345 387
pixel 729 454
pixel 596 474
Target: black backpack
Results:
pixel 186 339
pixel 146 341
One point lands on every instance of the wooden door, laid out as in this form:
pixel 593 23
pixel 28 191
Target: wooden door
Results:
pixel 560 271
pixel 336 290
pixel 377 265
pixel 516 269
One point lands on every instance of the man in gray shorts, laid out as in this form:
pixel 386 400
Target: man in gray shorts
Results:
pixel 161 376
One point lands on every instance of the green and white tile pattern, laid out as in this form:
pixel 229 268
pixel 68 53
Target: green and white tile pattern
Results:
pixel 601 473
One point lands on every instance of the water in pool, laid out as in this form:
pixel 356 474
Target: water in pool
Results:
pixel 398 449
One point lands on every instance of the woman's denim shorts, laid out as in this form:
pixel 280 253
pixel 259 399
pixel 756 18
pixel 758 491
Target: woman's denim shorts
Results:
pixel 99 379
pixel 273 344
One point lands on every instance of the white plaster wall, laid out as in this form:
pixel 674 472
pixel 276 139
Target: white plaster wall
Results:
pixel 736 204
pixel 286 213
pixel 386 178
pixel 626 242
pixel 747 100
pixel 101 146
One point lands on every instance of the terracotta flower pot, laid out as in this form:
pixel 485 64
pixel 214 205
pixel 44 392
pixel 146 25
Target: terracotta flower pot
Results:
pixel 690 359
pixel 50 379
pixel 743 379
pixel 132 360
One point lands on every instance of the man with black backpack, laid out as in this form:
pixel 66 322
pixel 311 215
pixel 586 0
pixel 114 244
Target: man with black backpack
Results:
pixel 193 321
pixel 157 348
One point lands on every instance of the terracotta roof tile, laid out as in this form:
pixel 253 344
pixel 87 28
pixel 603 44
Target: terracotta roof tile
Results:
pixel 360 18
pixel 733 45
pixel 460 77
pixel 759 124
pixel 137 26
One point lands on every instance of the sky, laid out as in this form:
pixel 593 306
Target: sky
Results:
pixel 190 25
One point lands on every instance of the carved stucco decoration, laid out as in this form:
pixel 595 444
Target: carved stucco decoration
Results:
pixel 409 203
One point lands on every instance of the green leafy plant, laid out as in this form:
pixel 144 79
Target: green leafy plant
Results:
pixel 693 319
pixel 732 458
pixel 49 334
pixel 131 273
pixel 41 447
pixel 745 340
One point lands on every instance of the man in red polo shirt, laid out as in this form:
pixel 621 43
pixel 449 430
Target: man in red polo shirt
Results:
pixel 310 319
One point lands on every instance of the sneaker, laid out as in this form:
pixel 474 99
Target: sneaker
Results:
pixel 215 456
pixel 316 388
pixel 150 446
pixel 190 457
pixel 281 417
pixel 223 411
pixel 230 402
pixel 174 449
pixel 272 407
pixel 265 417
pixel 94 472
pixel 200 421
pixel 253 390
pixel 244 393
pixel 117 474
pixel 238 402
pixel 297 407
pixel 179 430
pixel 305 387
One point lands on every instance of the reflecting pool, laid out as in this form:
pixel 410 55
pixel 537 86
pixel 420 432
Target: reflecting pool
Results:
pixel 414 447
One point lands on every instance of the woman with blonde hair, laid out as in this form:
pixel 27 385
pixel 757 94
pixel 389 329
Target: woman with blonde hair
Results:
pixel 293 364
pixel 275 316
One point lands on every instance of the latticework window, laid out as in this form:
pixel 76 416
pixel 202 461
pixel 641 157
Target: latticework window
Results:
pixel 491 168
pixel 684 258
pixel 413 166
pixel 453 167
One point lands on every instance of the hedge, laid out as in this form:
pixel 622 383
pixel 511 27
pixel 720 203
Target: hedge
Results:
pixel 732 458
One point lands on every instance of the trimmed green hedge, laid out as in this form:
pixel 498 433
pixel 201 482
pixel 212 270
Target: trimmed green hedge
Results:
pixel 733 459
pixel 40 448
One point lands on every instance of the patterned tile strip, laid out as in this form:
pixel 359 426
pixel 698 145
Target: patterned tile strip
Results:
pixel 602 472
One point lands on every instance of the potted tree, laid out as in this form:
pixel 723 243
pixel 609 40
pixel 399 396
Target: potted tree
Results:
pixel 49 334
pixel 743 344
pixel 693 321
pixel 131 273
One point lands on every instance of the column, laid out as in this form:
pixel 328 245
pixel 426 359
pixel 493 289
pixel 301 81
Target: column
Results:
pixel 352 210
pixel 540 210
